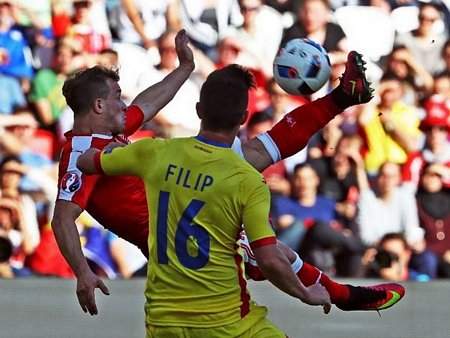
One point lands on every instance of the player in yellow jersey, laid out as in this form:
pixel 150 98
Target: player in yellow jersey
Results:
pixel 199 194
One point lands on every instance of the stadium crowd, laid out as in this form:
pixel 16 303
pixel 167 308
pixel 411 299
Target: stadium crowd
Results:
pixel 369 195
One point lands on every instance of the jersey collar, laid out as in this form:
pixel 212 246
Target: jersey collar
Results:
pixel 217 144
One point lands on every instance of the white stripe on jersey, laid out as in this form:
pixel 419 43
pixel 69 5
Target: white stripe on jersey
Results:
pixel 79 145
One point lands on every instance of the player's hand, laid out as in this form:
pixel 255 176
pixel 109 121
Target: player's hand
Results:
pixel 115 144
pixel 86 285
pixel 184 52
pixel 318 295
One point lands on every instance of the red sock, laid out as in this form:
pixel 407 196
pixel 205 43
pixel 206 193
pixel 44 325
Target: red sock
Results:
pixel 309 274
pixel 293 132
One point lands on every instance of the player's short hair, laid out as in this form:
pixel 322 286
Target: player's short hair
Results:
pixel 83 87
pixel 224 97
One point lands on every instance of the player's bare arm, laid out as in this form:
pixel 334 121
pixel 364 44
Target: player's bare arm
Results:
pixel 256 154
pixel 68 239
pixel 278 270
pixel 86 162
pixel 155 97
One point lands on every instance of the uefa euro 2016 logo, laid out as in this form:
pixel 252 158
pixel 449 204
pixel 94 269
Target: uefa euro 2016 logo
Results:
pixel 71 182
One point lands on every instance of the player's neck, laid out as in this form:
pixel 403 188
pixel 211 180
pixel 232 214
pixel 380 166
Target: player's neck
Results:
pixel 220 137
pixel 85 127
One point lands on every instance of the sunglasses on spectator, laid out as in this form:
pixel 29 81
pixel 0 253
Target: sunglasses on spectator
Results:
pixel 249 9
pixel 427 19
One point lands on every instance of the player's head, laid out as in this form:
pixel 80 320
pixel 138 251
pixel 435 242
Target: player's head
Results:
pixel 82 88
pixel 224 98
pixel 95 92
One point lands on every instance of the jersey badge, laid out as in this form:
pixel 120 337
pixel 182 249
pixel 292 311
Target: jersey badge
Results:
pixel 70 182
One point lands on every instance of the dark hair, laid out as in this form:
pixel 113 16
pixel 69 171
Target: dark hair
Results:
pixel 9 158
pixel 388 76
pixel 224 97
pixel 394 236
pixel 258 117
pixel 304 165
pixel 83 87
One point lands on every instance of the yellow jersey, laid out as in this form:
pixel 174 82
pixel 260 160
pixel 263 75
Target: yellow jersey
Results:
pixel 199 194
pixel 381 146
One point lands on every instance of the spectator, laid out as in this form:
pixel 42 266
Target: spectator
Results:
pixel 23 212
pixel 143 22
pixel 442 84
pixel 14 52
pixel 389 208
pixel 313 22
pixel 389 127
pixel 169 122
pixel 12 127
pixel 259 35
pixel 338 179
pixel 11 94
pixel 79 25
pixel 281 102
pixel 324 142
pixel 433 202
pixel 13 228
pixel 425 43
pixel 417 81
pixel 33 19
pixel 206 22
pixel 46 93
pixel 229 50
pixel 435 126
pixel 20 131
pixel 392 260
pixel 307 223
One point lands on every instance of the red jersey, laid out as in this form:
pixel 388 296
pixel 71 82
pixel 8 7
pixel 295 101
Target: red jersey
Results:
pixel 117 202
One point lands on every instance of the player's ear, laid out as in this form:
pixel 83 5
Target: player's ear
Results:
pixel 97 105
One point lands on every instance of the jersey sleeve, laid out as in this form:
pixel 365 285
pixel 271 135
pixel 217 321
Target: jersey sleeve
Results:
pixel 129 160
pixel 75 187
pixel 135 117
pixel 256 213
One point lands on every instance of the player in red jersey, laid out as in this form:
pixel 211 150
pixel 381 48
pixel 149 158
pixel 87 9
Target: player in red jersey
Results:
pixel 119 202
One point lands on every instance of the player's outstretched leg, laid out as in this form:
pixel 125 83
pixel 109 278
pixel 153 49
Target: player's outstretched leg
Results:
pixel 353 298
pixel 375 297
pixel 292 133
pixel 346 297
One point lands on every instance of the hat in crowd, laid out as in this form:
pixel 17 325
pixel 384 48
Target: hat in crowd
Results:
pixel 437 109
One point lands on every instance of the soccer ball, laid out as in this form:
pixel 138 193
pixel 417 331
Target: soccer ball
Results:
pixel 301 67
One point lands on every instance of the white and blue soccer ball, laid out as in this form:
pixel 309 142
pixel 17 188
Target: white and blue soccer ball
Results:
pixel 301 67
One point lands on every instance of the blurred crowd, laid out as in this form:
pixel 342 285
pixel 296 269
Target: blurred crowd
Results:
pixel 369 195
